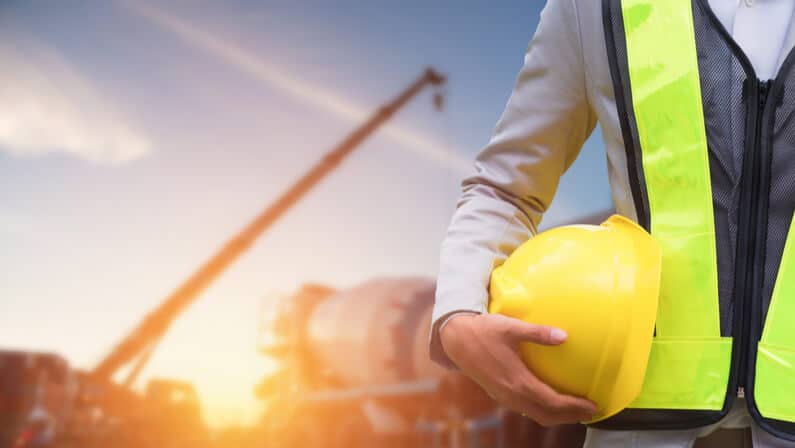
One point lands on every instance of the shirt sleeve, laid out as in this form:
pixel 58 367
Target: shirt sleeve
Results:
pixel 539 134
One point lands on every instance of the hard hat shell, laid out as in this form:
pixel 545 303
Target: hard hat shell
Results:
pixel 598 283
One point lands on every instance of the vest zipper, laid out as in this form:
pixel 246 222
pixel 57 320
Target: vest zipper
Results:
pixel 749 204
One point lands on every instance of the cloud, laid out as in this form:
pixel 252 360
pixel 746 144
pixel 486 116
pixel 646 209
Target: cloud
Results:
pixel 47 107
pixel 301 90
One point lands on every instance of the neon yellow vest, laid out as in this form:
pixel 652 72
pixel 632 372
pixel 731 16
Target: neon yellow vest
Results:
pixel 691 364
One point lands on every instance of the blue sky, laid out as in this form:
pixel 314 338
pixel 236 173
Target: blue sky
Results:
pixel 130 150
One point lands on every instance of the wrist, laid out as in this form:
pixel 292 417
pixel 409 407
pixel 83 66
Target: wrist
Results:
pixel 454 324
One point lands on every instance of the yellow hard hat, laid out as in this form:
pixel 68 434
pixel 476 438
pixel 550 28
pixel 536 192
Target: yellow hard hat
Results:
pixel 598 283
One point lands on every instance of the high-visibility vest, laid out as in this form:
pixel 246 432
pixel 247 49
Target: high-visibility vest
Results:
pixel 711 162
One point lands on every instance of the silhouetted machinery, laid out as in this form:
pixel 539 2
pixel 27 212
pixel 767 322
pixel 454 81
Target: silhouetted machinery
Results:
pixel 375 333
pixel 37 394
pixel 137 347
pixel 113 410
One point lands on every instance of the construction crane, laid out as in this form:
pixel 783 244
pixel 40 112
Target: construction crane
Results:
pixel 141 342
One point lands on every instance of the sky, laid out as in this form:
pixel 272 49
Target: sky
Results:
pixel 136 137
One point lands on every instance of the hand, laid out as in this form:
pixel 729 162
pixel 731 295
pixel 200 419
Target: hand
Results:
pixel 486 348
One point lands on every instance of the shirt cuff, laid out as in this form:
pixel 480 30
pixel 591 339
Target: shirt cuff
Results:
pixel 437 352
pixel 445 319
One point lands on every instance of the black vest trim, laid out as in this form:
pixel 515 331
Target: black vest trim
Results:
pixel 623 97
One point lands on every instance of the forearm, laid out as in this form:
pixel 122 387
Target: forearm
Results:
pixel 540 133
pixel 484 230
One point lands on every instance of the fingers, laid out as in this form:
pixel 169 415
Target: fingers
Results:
pixel 486 348
pixel 557 403
pixel 542 414
pixel 520 331
pixel 547 418
pixel 544 396
pixel 540 401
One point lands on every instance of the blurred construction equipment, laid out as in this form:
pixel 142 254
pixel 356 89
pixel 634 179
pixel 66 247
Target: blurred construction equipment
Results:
pixel 105 412
pixel 141 341
pixel 138 346
pixel 37 395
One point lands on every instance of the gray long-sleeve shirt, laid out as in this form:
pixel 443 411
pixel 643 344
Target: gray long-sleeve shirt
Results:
pixel 563 89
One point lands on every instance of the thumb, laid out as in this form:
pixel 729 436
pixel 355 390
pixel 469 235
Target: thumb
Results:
pixel 521 331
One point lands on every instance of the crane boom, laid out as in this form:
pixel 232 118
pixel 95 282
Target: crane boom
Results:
pixel 149 331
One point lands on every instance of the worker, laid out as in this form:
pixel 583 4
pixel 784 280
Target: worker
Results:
pixel 695 100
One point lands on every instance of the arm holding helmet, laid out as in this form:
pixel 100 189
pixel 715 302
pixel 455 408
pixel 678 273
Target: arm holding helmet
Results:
pixel 540 133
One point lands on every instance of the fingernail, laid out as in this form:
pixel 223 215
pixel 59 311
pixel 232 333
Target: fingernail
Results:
pixel 557 335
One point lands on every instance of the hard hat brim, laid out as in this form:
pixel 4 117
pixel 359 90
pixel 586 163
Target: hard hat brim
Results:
pixel 641 298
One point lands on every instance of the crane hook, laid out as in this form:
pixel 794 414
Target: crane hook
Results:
pixel 438 100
